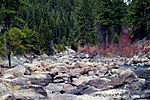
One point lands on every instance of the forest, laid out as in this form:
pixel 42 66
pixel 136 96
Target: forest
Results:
pixel 40 25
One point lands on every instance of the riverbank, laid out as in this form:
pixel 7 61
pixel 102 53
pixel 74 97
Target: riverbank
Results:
pixel 74 76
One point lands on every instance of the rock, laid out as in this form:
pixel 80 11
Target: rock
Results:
pixel 113 94
pixel 87 90
pixel 22 82
pixel 40 66
pixel 44 65
pixel 102 70
pixel 67 85
pixel 80 90
pixel 64 68
pixel 2 71
pixel 54 88
pixel 15 60
pixel 44 56
pixel 139 60
pixel 38 89
pixel 136 87
pixel 118 70
pixel 146 94
pixel 70 50
pixel 99 83
pixel 94 72
pixel 89 97
pixel 32 66
pixel 60 78
pixel 28 71
pixel 60 69
pixel 125 76
pixel 80 80
pixel 5 93
pixel 81 65
pixel 69 75
pixel 36 68
pixel 62 75
pixel 7 97
pixel 18 71
pixel 79 71
pixel 8 76
pixel 28 94
pixel 136 97
pixel 41 79
pixel 49 67
pixel 63 97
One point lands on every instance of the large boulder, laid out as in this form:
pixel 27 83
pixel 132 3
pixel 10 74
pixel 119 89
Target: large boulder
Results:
pixel 113 94
pixel 124 78
pixel 54 88
pixel 61 78
pixel 81 90
pixel 28 94
pixel 42 79
pixel 63 97
pixel 79 69
pixel 18 71
pixel 98 83
pixel 127 76
pixel 80 80
pixel 22 82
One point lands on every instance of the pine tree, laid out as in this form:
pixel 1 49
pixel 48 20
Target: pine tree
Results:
pixel 138 18
pixel 110 17
pixel 85 20
pixel 15 38
pixel 103 20
pixel 118 17
pixel 8 10
pixel 31 41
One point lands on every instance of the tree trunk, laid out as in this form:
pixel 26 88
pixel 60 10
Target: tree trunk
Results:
pixel 107 38
pixel 9 59
pixel 7 26
pixel 98 32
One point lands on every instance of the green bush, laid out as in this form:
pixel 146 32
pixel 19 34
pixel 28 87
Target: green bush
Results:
pixel 14 38
pixel 116 39
pixel 60 47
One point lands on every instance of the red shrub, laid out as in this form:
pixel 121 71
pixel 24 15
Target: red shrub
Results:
pixel 124 48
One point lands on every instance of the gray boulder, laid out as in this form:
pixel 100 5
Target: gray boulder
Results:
pixel 5 93
pixel 42 79
pixel 54 88
pixel 28 94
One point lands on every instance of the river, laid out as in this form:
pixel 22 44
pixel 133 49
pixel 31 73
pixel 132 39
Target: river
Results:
pixel 142 72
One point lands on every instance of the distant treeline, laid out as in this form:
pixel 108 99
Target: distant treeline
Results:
pixel 39 25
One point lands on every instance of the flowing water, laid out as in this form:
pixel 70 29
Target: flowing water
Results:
pixel 141 71
pixel 144 73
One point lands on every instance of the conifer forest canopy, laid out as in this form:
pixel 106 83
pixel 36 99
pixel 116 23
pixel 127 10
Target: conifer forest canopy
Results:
pixel 37 25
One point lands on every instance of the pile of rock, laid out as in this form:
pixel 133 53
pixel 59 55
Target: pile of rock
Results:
pixel 140 60
pixel 70 76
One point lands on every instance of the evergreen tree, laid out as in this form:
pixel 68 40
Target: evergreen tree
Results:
pixel 8 11
pixel 110 17
pixel 103 20
pixel 118 17
pixel 70 22
pixel 14 38
pixel 31 40
pixel 85 20
pixel 138 18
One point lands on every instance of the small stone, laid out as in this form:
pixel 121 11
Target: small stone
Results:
pixel 66 86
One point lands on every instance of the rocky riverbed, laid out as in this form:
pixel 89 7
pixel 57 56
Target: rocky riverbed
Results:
pixel 75 76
